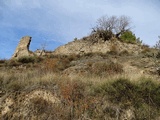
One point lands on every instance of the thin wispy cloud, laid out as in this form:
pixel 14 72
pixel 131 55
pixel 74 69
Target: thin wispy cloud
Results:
pixel 60 21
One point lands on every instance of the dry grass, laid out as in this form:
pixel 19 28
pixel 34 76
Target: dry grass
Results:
pixel 80 97
pixel 109 90
pixel 104 69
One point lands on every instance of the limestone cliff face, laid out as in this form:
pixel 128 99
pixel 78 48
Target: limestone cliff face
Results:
pixel 23 48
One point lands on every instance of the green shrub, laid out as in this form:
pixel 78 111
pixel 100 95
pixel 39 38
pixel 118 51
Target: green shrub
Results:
pixel 128 37
pixel 150 90
pixel 120 91
pixel 27 59
pixel 144 96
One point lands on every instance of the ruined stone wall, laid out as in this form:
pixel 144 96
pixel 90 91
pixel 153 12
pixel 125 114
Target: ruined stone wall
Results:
pixel 23 48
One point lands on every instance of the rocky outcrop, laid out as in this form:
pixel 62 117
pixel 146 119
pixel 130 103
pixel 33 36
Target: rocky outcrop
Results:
pixel 93 45
pixel 23 48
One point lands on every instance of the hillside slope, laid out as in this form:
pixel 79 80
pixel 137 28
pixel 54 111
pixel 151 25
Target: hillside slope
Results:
pixel 89 79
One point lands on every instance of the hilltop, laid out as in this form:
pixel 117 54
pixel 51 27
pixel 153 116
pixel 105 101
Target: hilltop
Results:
pixel 94 48
pixel 100 76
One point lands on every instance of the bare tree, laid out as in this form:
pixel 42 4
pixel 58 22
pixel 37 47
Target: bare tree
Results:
pixel 107 23
pixel 122 25
pixel 43 46
pixel 157 45
pixel 113 24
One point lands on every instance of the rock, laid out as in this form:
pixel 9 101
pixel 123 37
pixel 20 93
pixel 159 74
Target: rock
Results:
pixel 39 52
pixel 89 45
pixel 23 48
pixel 128 114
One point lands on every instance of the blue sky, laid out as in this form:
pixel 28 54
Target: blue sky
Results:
pixel 56 22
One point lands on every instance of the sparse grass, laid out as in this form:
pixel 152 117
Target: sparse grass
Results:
pixel 83 98
pixel 105 69
pixel 58 63
pixel 142 95
pixel 22 61
pixel 11 81
pixel 106 93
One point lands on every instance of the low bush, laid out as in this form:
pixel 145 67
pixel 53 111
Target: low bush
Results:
pixel 105 35
pixel 144 96
pixel 74 97
pixel 105 69
pixel 56 64
pixel 27 59
pixel 2 61
pixel 128 37
pixel 100 35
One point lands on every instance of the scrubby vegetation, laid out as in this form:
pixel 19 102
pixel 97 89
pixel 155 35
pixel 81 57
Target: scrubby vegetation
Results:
pixel 117 27
pixel 37 88
pixel 128 37
pixel 116 85
pixel 105 69
pixel 80 98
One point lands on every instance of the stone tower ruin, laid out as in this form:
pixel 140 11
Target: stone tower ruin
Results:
pixel 23 48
